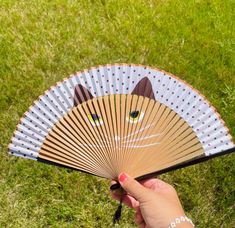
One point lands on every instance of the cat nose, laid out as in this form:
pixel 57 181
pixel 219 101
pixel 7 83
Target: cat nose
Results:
pixel 117 138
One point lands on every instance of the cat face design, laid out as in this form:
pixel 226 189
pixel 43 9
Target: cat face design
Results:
pixel 131 133
pixel 127 115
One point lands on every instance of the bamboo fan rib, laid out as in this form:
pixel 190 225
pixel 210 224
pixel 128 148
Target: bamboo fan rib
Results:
pixel 150 137
pixel 118 118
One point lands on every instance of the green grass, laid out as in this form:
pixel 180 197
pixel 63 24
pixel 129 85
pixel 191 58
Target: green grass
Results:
pixel 42 42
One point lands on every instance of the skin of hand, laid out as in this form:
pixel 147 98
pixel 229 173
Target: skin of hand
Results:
pixel 156 203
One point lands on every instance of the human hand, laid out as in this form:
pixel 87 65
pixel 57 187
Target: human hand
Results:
pixel 156 203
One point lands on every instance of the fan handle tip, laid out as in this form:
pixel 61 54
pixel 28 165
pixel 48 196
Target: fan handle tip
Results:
pixel 114 187
pixel 117 189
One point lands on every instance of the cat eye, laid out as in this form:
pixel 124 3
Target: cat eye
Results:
pixel 95 119
pixel 135 116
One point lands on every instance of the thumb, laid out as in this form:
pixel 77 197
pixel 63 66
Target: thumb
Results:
pixel 134 188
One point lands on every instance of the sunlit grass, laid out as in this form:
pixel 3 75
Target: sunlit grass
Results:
pixel 42 42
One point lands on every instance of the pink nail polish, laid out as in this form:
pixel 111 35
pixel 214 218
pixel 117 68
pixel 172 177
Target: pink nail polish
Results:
pixel 122 177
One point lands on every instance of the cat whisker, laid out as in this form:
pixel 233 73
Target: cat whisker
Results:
pixel 143 138
pixel 140 130
pixel 124 146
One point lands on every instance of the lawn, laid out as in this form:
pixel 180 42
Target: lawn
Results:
pixel 41 42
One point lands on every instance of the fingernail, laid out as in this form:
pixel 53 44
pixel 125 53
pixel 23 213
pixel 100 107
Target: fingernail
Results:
pixel 122 177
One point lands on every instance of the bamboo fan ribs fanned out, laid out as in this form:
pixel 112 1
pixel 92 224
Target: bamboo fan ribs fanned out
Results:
pixel 119 117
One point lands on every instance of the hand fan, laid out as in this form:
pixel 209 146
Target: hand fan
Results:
pixel 121 118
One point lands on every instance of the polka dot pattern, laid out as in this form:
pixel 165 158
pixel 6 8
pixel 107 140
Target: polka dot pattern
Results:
pixel 120 79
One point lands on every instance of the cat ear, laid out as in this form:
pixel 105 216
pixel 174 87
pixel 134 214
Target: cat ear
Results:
pixel 81 94
pixel 144 88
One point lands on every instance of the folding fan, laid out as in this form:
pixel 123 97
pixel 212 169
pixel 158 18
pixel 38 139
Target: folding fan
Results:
pixel 121 118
